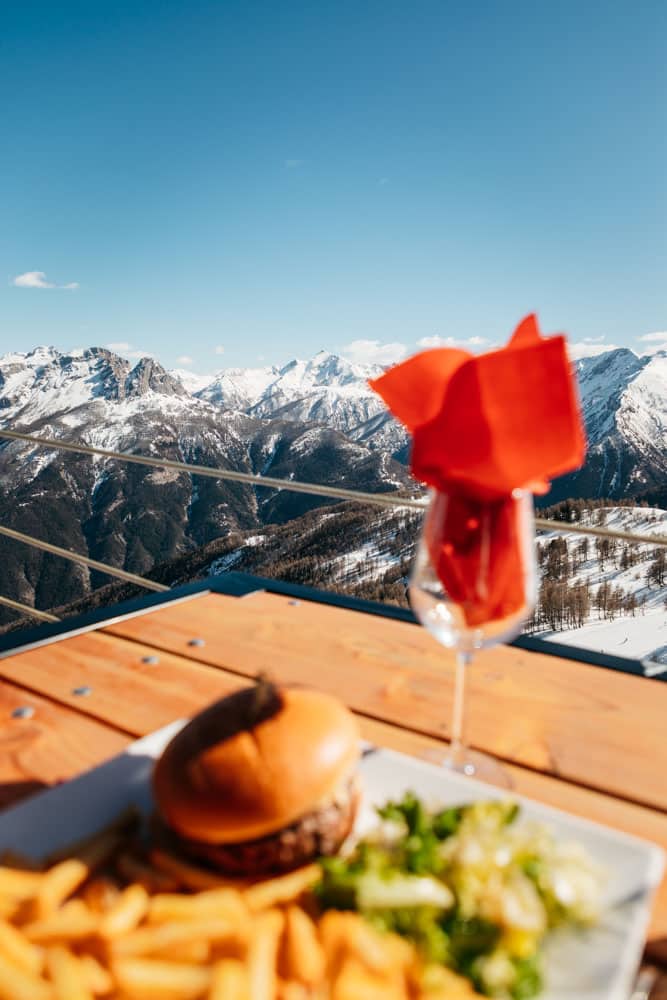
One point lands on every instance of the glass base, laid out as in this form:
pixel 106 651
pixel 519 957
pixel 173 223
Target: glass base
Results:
pixel 472 764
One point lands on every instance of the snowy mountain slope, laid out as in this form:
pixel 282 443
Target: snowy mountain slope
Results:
pixel 640 631
pixel 190 381
pixel 237 388
pixel 327 390
pixel 132 516
pixel 624 403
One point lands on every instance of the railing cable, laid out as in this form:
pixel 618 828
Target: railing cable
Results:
pixel 391 500
pixel 25 609
pixel 74 557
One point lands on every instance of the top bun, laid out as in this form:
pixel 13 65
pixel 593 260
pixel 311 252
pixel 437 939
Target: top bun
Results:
pixel 255 762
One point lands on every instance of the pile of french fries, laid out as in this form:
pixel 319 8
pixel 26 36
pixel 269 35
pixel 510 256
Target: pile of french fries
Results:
pixel 114 918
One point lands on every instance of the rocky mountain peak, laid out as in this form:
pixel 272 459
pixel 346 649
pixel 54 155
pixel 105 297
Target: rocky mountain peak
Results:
pixel 148 375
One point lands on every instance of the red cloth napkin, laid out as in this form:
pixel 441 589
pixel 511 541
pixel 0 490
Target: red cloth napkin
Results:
pixel 482 427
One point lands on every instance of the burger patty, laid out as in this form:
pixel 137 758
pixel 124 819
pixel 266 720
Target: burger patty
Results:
pixel 313 835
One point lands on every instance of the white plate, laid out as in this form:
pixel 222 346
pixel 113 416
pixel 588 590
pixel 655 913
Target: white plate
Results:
pixel 599 964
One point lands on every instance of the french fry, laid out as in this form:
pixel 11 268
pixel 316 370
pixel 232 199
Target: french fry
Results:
pixel 18 884
pixel 201 906
pixel 197 952
pixel 356 982
pixel 304 955
pixel 384 953
pixel 100 893
pixel 263 955
pixel 188 875
pixel 15 947
pixel 150 979
pixel 333 930
pixel 65 935
pixel 282 889
pixel 10 907
pixel 160 937
pixel 291 990
pixel 97 977
pixel 126 913
pixel 67 975
pixel 15 984
pixel 58 884
pixel 73 922
pixel 133 869
pixel 229 981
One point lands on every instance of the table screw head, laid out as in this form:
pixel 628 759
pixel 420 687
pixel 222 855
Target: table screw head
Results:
pixel 294 603
pixel 197 642
pixel 23 712
pixel 83 691
pixel 150 659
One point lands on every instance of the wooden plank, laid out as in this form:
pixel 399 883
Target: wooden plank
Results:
pixel 125 690
pixel 53 745
pixel 598 727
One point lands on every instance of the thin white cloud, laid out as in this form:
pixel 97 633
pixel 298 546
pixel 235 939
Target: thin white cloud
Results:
pixel 292 164
pixel 373 352
pixel 32 279
pixel 219 349
pixel 653 342
pixel 121 346
pixel 436 341
pixel 185 360
pixel 590 347
pixel 37 279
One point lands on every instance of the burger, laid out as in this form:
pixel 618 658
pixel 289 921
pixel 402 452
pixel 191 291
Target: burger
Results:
pixel 261 781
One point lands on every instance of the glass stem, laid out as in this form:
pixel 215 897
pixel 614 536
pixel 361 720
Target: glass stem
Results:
pixel 457 747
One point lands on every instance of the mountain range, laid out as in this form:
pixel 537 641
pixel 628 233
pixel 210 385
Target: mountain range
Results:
pixel 314 420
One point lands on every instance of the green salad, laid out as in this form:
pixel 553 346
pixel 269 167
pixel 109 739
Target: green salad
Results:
pixel 473 888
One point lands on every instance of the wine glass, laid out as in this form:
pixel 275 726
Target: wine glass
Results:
pixel 473 585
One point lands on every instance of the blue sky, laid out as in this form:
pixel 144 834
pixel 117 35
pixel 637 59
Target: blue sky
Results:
pixel 240 183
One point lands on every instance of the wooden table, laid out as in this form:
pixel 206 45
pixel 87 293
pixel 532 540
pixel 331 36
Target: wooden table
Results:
pixel 585 739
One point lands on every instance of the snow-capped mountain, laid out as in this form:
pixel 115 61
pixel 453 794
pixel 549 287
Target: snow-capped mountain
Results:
pixel 133 516
pixel 237 388
pixel 624 403
pixel 327 389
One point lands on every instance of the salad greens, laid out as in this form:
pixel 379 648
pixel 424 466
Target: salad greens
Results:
pixel 471 887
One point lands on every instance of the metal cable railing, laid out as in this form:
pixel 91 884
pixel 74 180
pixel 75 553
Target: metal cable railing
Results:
pixel 386 500
pixel 74 557
pixel 392 500
pixel 25 609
